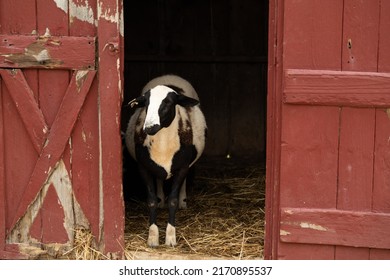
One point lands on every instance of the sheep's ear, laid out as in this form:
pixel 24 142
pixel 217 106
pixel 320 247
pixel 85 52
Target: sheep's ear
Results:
pixel 137 102
pixel 185 101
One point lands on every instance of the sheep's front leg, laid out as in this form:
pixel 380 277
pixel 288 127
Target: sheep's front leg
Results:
pixel 178 179
pixel 153 238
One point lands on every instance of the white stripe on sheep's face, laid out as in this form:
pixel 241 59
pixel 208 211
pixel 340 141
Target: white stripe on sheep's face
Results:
pixel 160 103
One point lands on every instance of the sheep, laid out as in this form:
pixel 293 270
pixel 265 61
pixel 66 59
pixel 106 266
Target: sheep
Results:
pixel 166 136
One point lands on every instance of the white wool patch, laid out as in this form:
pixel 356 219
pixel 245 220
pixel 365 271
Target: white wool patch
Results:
pixel 157 95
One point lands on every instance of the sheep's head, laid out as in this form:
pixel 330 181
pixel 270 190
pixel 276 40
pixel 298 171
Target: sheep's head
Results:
pixel 160 103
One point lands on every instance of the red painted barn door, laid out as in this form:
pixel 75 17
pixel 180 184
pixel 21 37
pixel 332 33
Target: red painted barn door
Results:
pixel 329 188
pixel 60 148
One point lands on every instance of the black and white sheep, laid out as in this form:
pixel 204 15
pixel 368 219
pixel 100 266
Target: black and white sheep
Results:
pixel 166 135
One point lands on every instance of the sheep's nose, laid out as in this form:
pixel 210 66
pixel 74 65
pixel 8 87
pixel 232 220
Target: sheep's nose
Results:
pixel 153 129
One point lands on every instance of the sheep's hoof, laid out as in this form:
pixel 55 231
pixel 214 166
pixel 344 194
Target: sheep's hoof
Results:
pixel 170 238
pixel 153 236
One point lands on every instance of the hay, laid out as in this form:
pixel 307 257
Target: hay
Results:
pixel 224 219
pixel 84 247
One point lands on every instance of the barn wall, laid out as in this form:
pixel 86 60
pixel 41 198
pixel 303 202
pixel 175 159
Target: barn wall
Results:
pixel 220 47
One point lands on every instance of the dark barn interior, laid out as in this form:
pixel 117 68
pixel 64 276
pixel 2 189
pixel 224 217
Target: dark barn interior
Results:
pixel 220 46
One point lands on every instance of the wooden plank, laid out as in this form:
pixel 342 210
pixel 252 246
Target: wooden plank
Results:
pixel 309 156
pixel 309 169
pixel 2 174
pixel 384 39
pixel 360 53
pixel 58 137
pixel 52 87
pixel 381 189
pixel 52 52
pixel 110 89
pixel 312 40
pixel 360 35
pixel 356 159
pixel 337 88
pixel 271 238
pixel 85 136
pixel 27 107
pixel 20 20
pixel 50 229
pixel 312 34
pixel 335 227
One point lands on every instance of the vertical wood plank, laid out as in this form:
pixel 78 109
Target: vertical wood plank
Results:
pixel 312 40
pixel 2 179
pixel 20 21
pixel 359 52
pixel 381 191
pixel 313 34
pixel 52 87
pixel 85 136
pixel 15 138
pixel 356 159
pixel 110 100
pixel 274 101
pixel 360 35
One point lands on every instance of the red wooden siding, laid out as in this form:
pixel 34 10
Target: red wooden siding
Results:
pixel 59 131
pixel 334 186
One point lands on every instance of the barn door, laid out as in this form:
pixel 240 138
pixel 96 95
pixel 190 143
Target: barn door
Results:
pixel 60 155
pixel 329 187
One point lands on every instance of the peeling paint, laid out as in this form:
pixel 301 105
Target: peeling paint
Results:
pixel 35 54
pixel 73 214
pixel 388 113
pixel 62 4
pixel 84 136
pixel 284 233
pixel 112 16
pixel 81 75
pixel 82 12
pixel 107 14
pixel 121 24
pixel 312 226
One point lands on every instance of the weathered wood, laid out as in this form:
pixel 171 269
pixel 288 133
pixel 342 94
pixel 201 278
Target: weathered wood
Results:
pixel 381 189
pixel 52 87
pixel 272 201
pixel 85 140
pixel 359 53
pixel 111 85
pixel 2 174
pixel 27 107
pixel 335 227
pixel 337 88
pixel 52 52
pixel 308 172
pixel 58 137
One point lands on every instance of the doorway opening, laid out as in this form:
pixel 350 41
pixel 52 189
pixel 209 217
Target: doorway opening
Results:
pixel 221 48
